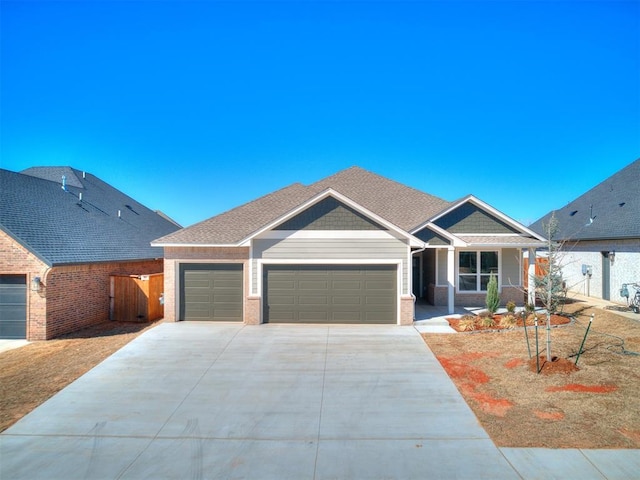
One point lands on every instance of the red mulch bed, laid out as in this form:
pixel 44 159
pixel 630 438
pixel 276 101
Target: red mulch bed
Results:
pixel 556 320
pixel 556 365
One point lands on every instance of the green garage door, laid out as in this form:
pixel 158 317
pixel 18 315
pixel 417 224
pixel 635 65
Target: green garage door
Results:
pixel 211 292
pixel 330 293
pixel 13 306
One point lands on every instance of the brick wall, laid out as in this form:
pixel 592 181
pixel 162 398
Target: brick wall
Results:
pixel 78 295
pixel 72 297
pixel 15 259
pixel 406 310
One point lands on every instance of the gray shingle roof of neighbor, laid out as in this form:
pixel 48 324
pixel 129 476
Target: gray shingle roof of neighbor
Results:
pixel 59 228
pixel 610 210
pixel 399 204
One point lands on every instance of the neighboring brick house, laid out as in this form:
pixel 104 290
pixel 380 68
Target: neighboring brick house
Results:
pixel 599 236
pixel 63 232
pixel 354 247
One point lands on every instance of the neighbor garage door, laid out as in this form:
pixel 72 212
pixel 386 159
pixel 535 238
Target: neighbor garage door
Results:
pixel 330 293
pixel 211 292
pixel 13 306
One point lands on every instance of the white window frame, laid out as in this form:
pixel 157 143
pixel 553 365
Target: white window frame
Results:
pixel 478 274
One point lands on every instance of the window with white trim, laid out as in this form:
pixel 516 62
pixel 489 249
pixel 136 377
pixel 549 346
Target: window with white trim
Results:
pixel 475 269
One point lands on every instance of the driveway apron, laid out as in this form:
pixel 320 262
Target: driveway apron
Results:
pixel 210 400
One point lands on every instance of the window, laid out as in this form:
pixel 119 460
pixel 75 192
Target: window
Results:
pixel 475 269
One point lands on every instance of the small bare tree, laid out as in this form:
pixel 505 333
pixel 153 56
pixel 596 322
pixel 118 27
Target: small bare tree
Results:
pixel 549 285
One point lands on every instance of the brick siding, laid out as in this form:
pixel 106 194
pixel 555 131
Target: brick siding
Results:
pixel 15 259
pixel 78 295
pixel 72 297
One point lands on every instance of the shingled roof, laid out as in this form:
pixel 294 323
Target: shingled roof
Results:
pixel 403 206
pixel 610 210
pixel 80 222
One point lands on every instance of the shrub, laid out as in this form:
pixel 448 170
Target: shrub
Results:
pixel 487 322
pixel 493 298
pixel 467 323
pixel 511 307
pixel 508 321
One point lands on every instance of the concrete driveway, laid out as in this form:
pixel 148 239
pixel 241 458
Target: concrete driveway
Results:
pixel 206 400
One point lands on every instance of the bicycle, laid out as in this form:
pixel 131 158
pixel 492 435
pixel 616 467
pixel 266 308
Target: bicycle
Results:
pixel 632 303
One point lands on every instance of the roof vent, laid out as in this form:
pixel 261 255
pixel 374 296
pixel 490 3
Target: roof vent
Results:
pixel 573 213
pixel 64 182
pixel 622 204
pixel 80 196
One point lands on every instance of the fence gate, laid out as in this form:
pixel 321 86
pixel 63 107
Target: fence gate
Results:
pixel 136 298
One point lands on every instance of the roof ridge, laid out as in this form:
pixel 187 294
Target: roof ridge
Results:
pixel 55 174
pixel 356 168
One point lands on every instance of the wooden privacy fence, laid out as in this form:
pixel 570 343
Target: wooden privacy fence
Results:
pixel 136 298
pixel 541 265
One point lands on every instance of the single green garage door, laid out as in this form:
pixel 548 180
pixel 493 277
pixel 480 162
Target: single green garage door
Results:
pixel 211 292
pixel 13 306
pixel 330 293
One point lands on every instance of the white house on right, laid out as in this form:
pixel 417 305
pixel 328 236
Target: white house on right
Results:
pixel 599 234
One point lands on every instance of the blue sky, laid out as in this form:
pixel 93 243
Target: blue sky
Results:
pixel 193 108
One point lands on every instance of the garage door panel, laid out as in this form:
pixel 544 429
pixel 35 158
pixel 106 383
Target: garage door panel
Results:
pixel 11 294
pixel 378 300
pixel 330 293
pixel 283 300
pixel 307 300
pixel 283 284
pixel 346 300
pixel 312 316
pixel 312 285
pixel 339 285
pixel 211 292
pixel 344 316
pixel 197 283
pixel 376 317
pixel 202 298
pixel 227 283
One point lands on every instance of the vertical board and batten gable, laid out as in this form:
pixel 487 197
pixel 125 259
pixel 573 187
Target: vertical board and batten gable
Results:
pixel 432 238
pixel 469 218
pixel 329 214
pixel 370 241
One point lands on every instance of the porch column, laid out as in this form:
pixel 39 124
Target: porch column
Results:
pixel 451 278
pixel 531 277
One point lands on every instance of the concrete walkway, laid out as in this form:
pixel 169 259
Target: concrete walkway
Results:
pixel 206 400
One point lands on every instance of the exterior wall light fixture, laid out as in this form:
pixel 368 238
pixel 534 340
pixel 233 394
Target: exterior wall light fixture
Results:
pixel 36 284
pixel 612 256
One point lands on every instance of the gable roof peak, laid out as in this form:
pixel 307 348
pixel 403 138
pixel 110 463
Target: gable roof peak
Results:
pixel 72 177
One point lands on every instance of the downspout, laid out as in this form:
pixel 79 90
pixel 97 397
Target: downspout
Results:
pixel 411 277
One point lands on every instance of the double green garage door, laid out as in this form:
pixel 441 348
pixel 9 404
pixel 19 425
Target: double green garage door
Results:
pixel 293 293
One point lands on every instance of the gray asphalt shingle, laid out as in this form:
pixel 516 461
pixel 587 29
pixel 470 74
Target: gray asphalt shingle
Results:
pixel 59 228
pixel 399 204
pixel 613 206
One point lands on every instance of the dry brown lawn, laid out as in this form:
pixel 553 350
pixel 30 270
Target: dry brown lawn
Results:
pixel 32 374
pixel 597 406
